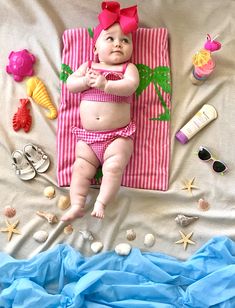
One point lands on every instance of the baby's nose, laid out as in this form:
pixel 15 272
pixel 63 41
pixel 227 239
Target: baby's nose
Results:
pixel 117 43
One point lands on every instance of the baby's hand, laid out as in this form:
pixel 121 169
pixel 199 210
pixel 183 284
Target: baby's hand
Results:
pixel 96 80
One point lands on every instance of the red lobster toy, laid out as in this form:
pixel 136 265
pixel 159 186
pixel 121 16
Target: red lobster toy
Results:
pixel 22 118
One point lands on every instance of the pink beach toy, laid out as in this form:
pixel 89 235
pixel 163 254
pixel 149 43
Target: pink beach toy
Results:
pixel 20 64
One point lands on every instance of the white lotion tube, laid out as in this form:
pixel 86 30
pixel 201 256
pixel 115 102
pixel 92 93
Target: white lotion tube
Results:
pixel 203 117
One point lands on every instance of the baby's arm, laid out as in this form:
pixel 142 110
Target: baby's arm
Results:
pixel 126 86
pixel 77 82
pixel 123 87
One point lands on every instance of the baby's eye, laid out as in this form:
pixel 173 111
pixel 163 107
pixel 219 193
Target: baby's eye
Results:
pixel 109 38
pixel 125 40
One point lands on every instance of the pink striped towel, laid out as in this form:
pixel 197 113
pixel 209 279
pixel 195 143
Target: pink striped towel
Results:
pixel 149 165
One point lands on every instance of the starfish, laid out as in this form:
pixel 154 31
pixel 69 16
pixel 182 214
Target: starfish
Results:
pixel 188 185
pixel 11 228
pixel 185 239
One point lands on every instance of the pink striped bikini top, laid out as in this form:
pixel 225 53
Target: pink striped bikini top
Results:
pixel 98 95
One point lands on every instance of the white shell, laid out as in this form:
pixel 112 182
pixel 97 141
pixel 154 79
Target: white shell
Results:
pixel 9 211
pixel 96 247
pixel 149 240
pixel 184 220
pixel 63 203
pixel 123 249
pixel 130 235
pixel 87 235
pixel 49 192
pixel 40 236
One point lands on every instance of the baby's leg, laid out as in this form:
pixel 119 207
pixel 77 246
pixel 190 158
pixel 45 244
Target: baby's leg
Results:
pixel 84 169
pixel 116 157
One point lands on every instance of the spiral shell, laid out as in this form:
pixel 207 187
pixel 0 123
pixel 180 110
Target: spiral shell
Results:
pixel 68 229
pixel 9 211
pixel 96 247
pixel 49 192
pixel 130 235
pixel 63 203
pixel 149 240
pixel 37 90
pixel 50 217
pixel 87 235
pixel 184 220
pixel 40 236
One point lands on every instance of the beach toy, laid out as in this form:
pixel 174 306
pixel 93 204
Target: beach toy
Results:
pixel 37 90
pixel 22 118
pixel 20 64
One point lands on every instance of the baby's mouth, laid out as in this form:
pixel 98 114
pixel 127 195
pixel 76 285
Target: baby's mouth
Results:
pixel 117 51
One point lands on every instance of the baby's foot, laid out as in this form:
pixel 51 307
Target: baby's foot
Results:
pixel 74 212
pixel 98 210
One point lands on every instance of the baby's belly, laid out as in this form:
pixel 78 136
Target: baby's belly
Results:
pixel 100 116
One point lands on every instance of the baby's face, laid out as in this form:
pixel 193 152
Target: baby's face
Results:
pixel 113 46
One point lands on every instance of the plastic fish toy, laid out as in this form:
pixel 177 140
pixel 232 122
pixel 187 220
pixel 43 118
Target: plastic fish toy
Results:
pixel 37 90
pixel 22 118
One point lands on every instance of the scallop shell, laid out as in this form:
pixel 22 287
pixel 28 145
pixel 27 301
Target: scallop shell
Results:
pixel 49 192
pixel 50 217
pixel 130 235
pixel 149 240
pixel 184 220
pixel 87 235
pixel 9 211
pixel 123 249
pixel 63 203
pixel 68 229
pixel 203 205
pixel 96 247
pixel 40 236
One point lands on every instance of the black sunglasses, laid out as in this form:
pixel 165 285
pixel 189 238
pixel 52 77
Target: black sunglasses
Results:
pixel 218 165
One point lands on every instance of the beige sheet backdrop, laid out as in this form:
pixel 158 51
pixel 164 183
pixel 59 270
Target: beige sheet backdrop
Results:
pixel 38 26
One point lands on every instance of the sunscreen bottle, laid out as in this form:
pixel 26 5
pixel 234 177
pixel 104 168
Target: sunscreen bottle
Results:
pixel 203 117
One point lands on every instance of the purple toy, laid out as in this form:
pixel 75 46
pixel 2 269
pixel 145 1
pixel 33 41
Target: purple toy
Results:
pixel 20 64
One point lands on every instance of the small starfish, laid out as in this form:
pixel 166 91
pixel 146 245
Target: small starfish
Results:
pixel 188 185
pixel 185 239
pixel 11 228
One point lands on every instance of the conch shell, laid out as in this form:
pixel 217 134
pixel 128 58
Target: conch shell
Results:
pixel 184 220
pixel 50 217
pixel 37 90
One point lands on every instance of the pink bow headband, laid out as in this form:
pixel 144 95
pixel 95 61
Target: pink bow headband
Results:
pixel 111 14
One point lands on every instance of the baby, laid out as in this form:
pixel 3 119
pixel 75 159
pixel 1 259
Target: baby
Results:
pixel 106 90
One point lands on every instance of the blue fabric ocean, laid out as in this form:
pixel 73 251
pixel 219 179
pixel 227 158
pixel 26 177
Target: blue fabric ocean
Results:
pixel 62 277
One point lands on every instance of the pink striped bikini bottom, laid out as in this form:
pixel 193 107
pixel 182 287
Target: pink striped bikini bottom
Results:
pixel 99 140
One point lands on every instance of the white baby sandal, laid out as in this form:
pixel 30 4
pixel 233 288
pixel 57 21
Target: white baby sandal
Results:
pixel 23 169
pixel 37 157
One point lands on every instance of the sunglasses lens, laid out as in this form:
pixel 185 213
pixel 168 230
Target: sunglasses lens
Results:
pixel 204 154
pixel 218 166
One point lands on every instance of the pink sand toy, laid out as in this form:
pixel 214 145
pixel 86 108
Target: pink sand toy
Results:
pixel 20 64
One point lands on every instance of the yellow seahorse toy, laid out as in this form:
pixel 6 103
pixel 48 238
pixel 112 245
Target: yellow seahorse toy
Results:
pixel 37 90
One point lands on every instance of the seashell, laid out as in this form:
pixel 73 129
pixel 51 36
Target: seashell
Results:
pixel 9 211
pixel 184 220
pixel 40 236
pixel 87 235
pixel 130 235
pixel 203 205
pixel 50 217
pixel 149 240
pixel 37 90
pixel 68 229
pixel 96 247
pixel 49 192
pixel 63 203
pixel 123 249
